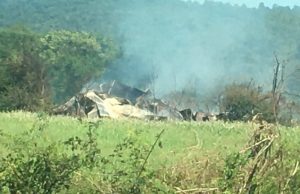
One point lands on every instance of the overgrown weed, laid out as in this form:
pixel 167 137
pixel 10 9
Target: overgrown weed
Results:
pixel 267 164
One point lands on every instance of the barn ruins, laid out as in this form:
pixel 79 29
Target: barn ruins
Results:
pixel 116 100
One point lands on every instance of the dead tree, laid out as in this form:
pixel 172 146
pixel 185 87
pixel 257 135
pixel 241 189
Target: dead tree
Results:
pixel 277 87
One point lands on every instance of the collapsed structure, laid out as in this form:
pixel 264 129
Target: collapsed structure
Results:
pixel 116 100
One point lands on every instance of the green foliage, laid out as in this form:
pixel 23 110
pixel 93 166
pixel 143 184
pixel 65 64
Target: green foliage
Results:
pixel 75 58
pixel 44 171
pixel 124 169
pixel 264 166
pixel 88 150
pixel 233 163
pixel 38 151
pixel 33 168
pixel 23 83
pixel 35 69
pixel 242 101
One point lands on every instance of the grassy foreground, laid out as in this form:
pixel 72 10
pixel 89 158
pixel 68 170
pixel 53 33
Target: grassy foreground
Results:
pixel 189 157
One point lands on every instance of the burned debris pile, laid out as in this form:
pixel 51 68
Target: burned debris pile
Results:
pixel 116 100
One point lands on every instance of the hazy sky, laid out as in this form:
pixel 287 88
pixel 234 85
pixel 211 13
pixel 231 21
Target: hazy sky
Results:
pixel 254 3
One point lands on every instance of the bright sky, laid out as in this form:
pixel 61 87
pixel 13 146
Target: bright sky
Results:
pixel 255 3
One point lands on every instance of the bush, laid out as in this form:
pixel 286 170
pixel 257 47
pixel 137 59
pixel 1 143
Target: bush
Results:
pixel 125 170
pixel 45 171
pixel 32 167
pixel 264 166
pixel 243 101
pixel 23 83
pixel 37 70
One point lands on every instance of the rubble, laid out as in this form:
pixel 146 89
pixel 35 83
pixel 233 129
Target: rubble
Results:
pixel 97 105
pixel 187 114
pixel 201 116
pixel 120 90
pixel 116 100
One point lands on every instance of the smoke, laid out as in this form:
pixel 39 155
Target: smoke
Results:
pixel 172 43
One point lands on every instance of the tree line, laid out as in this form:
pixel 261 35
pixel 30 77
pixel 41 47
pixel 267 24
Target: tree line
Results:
pixel 60 48
pixel 39 69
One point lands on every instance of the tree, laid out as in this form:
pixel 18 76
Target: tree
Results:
pixel 36 69
pixel 75 58
pixel 244 100
pixel 23 83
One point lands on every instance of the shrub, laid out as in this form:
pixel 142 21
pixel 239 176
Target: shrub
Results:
pixel 242 101
pixel 264 166
pixel 32 167
pixel 37 70
pixel 22 71
pixel 44 171
pixel 125 170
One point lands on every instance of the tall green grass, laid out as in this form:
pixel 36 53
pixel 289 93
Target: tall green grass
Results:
pixel 181 139
pixel 189 155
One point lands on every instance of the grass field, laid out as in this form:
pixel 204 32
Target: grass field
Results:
pixel 180 139
pixel 193 150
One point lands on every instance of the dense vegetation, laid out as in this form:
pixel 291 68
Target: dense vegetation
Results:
pixel 240 40
pixel 43 154
pixel 144 30
pixel 35 67
pixel 50 49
